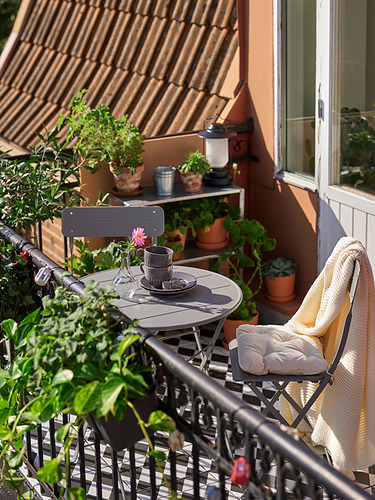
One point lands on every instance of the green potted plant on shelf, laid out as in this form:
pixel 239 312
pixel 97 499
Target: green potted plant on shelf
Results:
pixel 243 257
pixel 192 170
pixel 280 276
pixel 77 356
pixel 100 137
pixel 208 216
pixel 177 220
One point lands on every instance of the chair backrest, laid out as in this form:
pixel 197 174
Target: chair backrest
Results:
pixel 111 221
pixel 345 332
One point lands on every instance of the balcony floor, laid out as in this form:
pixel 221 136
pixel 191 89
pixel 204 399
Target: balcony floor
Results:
pixel 219 369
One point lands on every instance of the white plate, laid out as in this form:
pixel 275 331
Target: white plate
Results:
pixel 190 281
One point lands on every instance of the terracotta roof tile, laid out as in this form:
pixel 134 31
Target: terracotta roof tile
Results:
pixel 164 63
pixel 163 112
pixel 202 71
pixel 76 35
pixel 132 42
pixel 130 95
pixel 24 76
pixel 168 49
pixel 149 45
pixel 43 114
pixel 118 33
pixel 64 12
pixel 104 25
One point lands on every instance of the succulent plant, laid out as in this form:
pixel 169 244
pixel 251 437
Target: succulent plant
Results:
pixel 279 267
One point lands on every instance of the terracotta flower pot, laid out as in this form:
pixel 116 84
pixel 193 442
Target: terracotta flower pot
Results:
pixel 191 183
pixel 280 289
pixel 126 182
pixel 176 237
pixel 215 238
pixel 230 327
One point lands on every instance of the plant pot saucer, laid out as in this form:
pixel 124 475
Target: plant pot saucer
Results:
pixel 130 194
pixel 287 298
pixel 212 246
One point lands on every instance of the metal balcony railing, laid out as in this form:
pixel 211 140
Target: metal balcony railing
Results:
pixel 218 427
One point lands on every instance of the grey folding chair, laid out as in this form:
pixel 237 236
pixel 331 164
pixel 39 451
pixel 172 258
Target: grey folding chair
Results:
pixel 280 382
pixel 79 222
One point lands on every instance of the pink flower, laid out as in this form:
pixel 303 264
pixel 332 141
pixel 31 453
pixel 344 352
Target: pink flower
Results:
pixel 138 236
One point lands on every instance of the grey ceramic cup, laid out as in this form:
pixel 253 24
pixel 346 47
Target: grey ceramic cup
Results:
pixel 156 275
pixel 156 256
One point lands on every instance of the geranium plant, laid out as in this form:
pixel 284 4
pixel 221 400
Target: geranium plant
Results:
pixel 244 259
pixel 75 356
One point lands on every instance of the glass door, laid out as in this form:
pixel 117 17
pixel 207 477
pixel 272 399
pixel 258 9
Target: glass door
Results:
pixel 345 133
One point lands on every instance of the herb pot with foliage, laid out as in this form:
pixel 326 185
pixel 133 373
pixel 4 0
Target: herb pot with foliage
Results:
pixel 77 356
pixel 177 220
pixel 103 138
pixel 209 215
pixel 280 276
pixel 243 259
pixel 192 170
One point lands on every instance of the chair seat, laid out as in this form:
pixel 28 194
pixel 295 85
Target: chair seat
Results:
pixel 276 349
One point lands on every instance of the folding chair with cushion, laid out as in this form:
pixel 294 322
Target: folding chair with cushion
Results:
pixel 276 355
pixel 328 348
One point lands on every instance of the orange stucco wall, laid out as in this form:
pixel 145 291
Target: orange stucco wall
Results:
pixel 289 213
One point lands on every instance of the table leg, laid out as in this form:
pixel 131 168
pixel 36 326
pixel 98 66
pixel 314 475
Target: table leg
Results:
pixel 211 345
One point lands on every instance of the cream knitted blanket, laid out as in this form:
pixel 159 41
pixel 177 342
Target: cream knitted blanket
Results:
pixel 343 417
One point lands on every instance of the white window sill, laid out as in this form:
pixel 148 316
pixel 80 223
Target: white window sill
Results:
pixel 298 180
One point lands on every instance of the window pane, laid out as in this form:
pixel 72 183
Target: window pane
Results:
pixel 299 83
pixel 356 94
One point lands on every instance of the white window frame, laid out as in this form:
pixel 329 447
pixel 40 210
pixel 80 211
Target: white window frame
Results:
pixel 295 179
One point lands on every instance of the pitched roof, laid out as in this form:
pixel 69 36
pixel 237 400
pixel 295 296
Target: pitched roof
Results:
pixel 164 63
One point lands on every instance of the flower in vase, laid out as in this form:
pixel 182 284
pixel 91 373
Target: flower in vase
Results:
pixel 138 240
pixel 138 236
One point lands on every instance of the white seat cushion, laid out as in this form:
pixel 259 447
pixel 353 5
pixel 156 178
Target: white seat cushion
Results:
pixel 275 349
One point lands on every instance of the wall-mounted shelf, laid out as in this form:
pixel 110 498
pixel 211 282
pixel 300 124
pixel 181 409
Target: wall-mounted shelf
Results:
pixel 149 196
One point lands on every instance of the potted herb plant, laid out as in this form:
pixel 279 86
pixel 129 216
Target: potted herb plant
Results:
pixel 248 239
pixel 102 138
pixel 192 170
pixel 76 356
pixel 280 276
pixel 177 220
pixel 208 216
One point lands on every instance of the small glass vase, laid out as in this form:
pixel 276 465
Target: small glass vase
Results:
pixel 124 281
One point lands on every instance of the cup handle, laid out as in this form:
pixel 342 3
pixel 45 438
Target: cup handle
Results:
pixel 141 257
pixel 141 267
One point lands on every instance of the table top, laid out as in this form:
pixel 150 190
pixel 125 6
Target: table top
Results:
pixel 214 297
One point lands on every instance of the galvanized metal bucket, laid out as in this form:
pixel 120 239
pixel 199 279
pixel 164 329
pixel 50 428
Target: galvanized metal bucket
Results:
pixel 163 178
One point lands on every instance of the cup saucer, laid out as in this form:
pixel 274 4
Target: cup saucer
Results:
pixel 188 281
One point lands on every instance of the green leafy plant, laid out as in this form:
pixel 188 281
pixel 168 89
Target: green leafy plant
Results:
pixel 37 189
pixel 204 211
pixel 17 289
pixel 244 254
pixel 196 163
pixel 101 137
pixel 177 217
pixel 278 268
pixel 92 261
pixel 75 357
